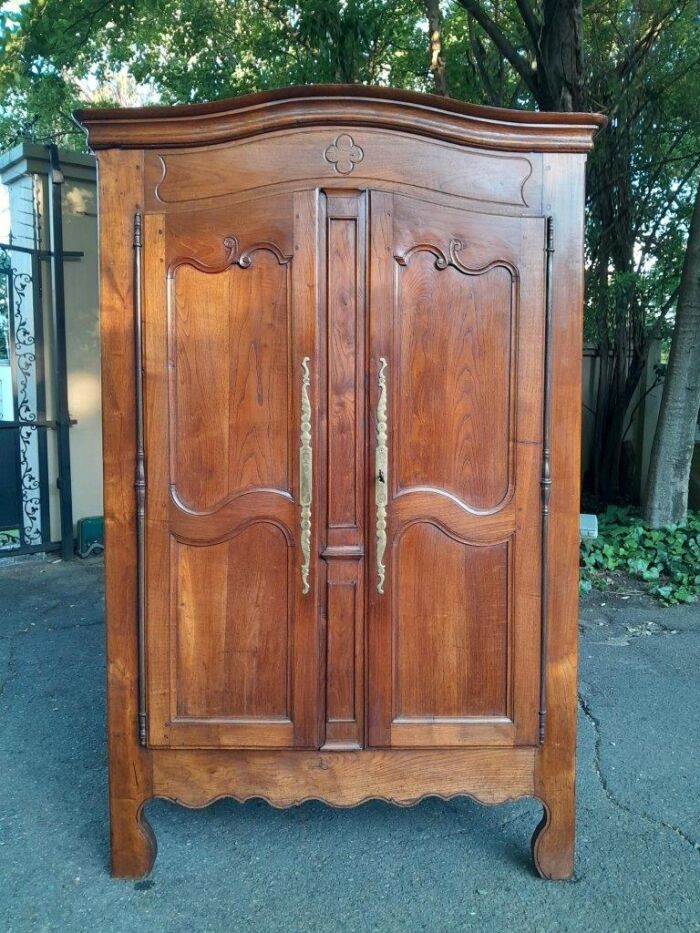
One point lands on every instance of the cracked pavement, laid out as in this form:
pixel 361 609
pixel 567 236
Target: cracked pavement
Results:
pixel 435 867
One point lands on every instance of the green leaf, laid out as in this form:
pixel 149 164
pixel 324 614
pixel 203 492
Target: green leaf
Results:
pixel 667 559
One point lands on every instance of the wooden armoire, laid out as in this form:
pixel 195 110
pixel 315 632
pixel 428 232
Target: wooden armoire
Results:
pixel 341 351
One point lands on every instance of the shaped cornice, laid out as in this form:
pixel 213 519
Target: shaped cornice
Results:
pixel 355 106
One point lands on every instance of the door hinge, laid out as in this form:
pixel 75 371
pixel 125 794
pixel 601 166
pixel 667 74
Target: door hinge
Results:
pixel 140 478
pixel 546 475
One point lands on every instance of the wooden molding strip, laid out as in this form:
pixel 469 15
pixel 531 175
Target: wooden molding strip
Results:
pixel 337 105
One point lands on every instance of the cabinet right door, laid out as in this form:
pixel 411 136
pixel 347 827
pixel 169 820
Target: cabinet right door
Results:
pixel 456 375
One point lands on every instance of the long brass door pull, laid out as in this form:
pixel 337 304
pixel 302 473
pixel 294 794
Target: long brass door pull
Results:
pixel 382 468
pixel 305 475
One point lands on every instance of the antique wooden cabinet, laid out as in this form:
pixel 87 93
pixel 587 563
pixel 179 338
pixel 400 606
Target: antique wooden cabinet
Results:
pixel 341 337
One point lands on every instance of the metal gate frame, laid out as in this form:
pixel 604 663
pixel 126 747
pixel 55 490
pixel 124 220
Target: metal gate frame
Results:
pixel 25 419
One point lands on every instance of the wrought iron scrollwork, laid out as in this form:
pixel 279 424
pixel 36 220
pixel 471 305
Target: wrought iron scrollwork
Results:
pixel 14 296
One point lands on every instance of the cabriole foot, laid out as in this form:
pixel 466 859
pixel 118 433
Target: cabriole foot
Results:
pixel 132 840
pixel 553 842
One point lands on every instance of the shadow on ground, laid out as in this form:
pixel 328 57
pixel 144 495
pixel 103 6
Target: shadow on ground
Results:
pixel 435 867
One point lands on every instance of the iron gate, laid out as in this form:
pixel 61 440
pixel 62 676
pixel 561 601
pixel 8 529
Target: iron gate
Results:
pixel 24 423
pixel 24 516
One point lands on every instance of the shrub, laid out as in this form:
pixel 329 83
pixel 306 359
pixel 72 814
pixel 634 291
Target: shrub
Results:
pixel 667 560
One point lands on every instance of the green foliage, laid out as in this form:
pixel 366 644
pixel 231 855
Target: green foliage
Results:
pixel 642 61
pixel 644 170
pixel 57 54
pixel 475 70
pixel 667 560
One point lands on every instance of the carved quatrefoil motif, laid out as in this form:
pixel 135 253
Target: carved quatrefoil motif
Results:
pixel 343 154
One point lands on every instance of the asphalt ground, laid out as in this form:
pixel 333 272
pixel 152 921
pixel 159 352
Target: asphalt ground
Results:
pixel 439 866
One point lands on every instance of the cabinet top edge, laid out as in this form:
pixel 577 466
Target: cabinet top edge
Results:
pixel 194 125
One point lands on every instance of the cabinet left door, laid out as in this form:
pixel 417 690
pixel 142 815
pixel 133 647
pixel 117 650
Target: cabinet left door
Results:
pixel 230 384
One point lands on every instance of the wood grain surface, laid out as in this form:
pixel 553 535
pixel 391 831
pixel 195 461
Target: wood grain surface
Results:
pixel 392 246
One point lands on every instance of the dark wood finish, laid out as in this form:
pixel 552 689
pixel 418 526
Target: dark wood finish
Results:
pixel 232 641
pixel 342 514
pixel 349 105
pixel 456 311
pixel 334 228
pixel 133 845
pixel 555 763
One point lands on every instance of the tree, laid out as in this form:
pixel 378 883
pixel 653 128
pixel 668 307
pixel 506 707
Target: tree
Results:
pixel 437 61
pixel 666 500
pixel 637 62
pixel 57 54
pixel 640 185
pixel 548 52
pixel 640 68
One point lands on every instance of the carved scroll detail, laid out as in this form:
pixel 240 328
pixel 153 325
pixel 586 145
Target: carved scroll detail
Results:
pixel 305 474
pixel 452 259
pixel 382 478
pixel 233 257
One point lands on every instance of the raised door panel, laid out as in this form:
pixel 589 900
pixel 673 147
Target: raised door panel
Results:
pixel 231 387
pixel 453 374
pixel 450 643
pixel 231 585
pixel 234 663
pixel 333 156
pixel 456 327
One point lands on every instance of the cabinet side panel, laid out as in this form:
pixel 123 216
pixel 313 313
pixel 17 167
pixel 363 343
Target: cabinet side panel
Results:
pixel 120 188
pixel 555 763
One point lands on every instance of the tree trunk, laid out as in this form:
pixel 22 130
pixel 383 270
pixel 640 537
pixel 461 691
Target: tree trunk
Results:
pixel 610 481
pixel 621 343
pixel 551 67
pixel 437 62
pixel 671 454
pixel 560 60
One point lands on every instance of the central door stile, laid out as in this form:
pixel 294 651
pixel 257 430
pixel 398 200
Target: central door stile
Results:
pixel 306 666
pixel 342 507
pixel 380 382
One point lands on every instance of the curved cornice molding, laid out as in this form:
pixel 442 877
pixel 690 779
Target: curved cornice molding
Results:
pixel 337 105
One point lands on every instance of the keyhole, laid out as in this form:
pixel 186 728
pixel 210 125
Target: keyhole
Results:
pixel 381 476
